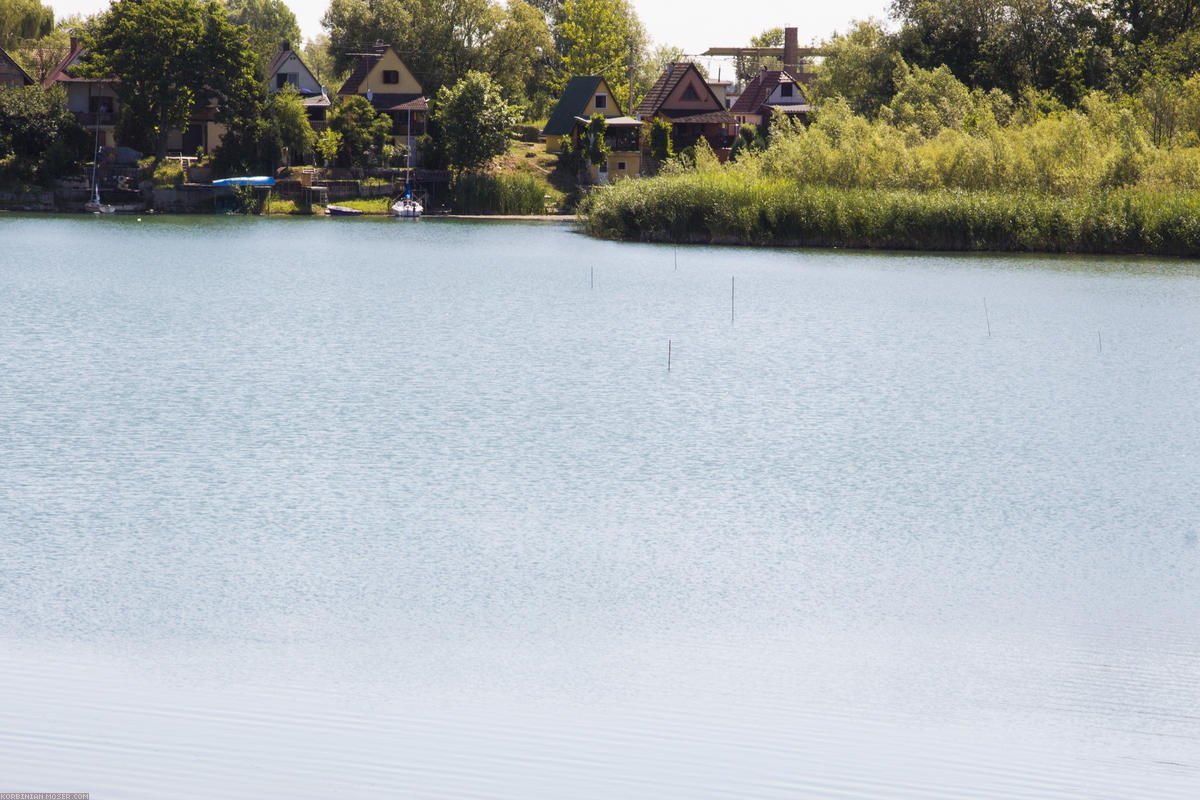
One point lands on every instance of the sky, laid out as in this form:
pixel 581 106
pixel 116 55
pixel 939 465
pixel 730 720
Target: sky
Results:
pixel 700 26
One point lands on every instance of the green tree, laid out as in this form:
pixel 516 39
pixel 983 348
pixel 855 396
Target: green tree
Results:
pixel 364 131
pixel 38 133
pixel 270 23
pixel 473 120
pixel 171 57
pixel 518 51
pixel 23 19
pixel 1063 46
pixel 860 66
pixel 596 37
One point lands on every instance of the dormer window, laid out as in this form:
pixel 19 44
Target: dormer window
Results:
pixel 601 101
pixel 391 76
pixel 785 89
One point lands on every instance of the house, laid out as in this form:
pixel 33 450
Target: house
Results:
pixel 771 90
pixel 682 97
pixel 381 77
pixel 286 68
pixel 93 101
pixel 95 104
pixel 11 74
pixel 582 98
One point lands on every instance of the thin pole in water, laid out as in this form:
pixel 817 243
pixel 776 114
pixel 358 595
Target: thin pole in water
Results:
pixel 732 294
pixel 1099 343
pixel 677 258
pixel 986 317
pixel 592 279
pixel 668 355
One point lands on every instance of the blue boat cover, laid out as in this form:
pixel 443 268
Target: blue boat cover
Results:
pixel 256 180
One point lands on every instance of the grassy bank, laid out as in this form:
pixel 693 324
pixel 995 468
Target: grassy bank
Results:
pixel 733 207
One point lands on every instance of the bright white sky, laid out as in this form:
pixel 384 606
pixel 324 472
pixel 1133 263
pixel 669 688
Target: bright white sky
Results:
pixel 693 26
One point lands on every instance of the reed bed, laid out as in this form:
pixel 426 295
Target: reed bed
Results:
pixel 729 207
pixel 505 193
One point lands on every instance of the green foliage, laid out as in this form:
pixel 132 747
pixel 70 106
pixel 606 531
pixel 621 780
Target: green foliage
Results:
pixel 168 173
pixel 43 138
pixel 172 57
pixel 927 101
pixel 473 121
pixel 329 144
pixel 594 38
pixel 861 67
pixel 659 136
pixel 597 149
pixel 23 19
pixel 269 24
pixel 363 130
pixel 288 118
pixel 509 193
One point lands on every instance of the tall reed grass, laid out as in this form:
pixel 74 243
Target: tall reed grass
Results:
pixel 725 207
pixel 505 193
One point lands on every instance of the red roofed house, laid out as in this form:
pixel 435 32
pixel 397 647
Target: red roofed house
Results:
pixel 386 82
pixel 771 90
pixel 95 104
pixel 11 74
pixel 682 97
pixel 93 101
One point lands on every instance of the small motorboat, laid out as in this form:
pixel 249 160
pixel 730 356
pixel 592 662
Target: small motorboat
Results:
pixel 342 211
pixel 407 207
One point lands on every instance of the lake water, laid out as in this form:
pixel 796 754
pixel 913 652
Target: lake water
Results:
pixel 363 508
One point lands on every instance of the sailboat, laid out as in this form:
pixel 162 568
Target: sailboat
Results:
pixel 94 205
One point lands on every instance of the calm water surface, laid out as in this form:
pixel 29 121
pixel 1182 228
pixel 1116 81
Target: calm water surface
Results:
pixel 359 508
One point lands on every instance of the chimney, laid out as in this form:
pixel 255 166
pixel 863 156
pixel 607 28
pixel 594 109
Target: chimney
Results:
pixel 74 42
pixel 791 51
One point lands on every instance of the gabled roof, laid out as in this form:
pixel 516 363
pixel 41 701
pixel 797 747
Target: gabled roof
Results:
pixel 362 68
pixel 5 57
pixel 762 87
pixel 575 97
pixel 62 73
pixel 665 86
pixel 280 58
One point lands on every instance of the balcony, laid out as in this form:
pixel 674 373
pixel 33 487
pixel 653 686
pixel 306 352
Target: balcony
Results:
pixel 90 119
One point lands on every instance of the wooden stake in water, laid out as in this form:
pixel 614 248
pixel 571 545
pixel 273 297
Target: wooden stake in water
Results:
pixel 592 279
pixel 668 355
pixel 732 294
pixel 986 317
pixel 1099 343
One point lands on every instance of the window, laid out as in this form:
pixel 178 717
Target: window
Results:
pixel 620 166
pixel 101 105
pixel 601 101
pixel 785 89
pixel 391 76
pixel 690 93
pixel 283 79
